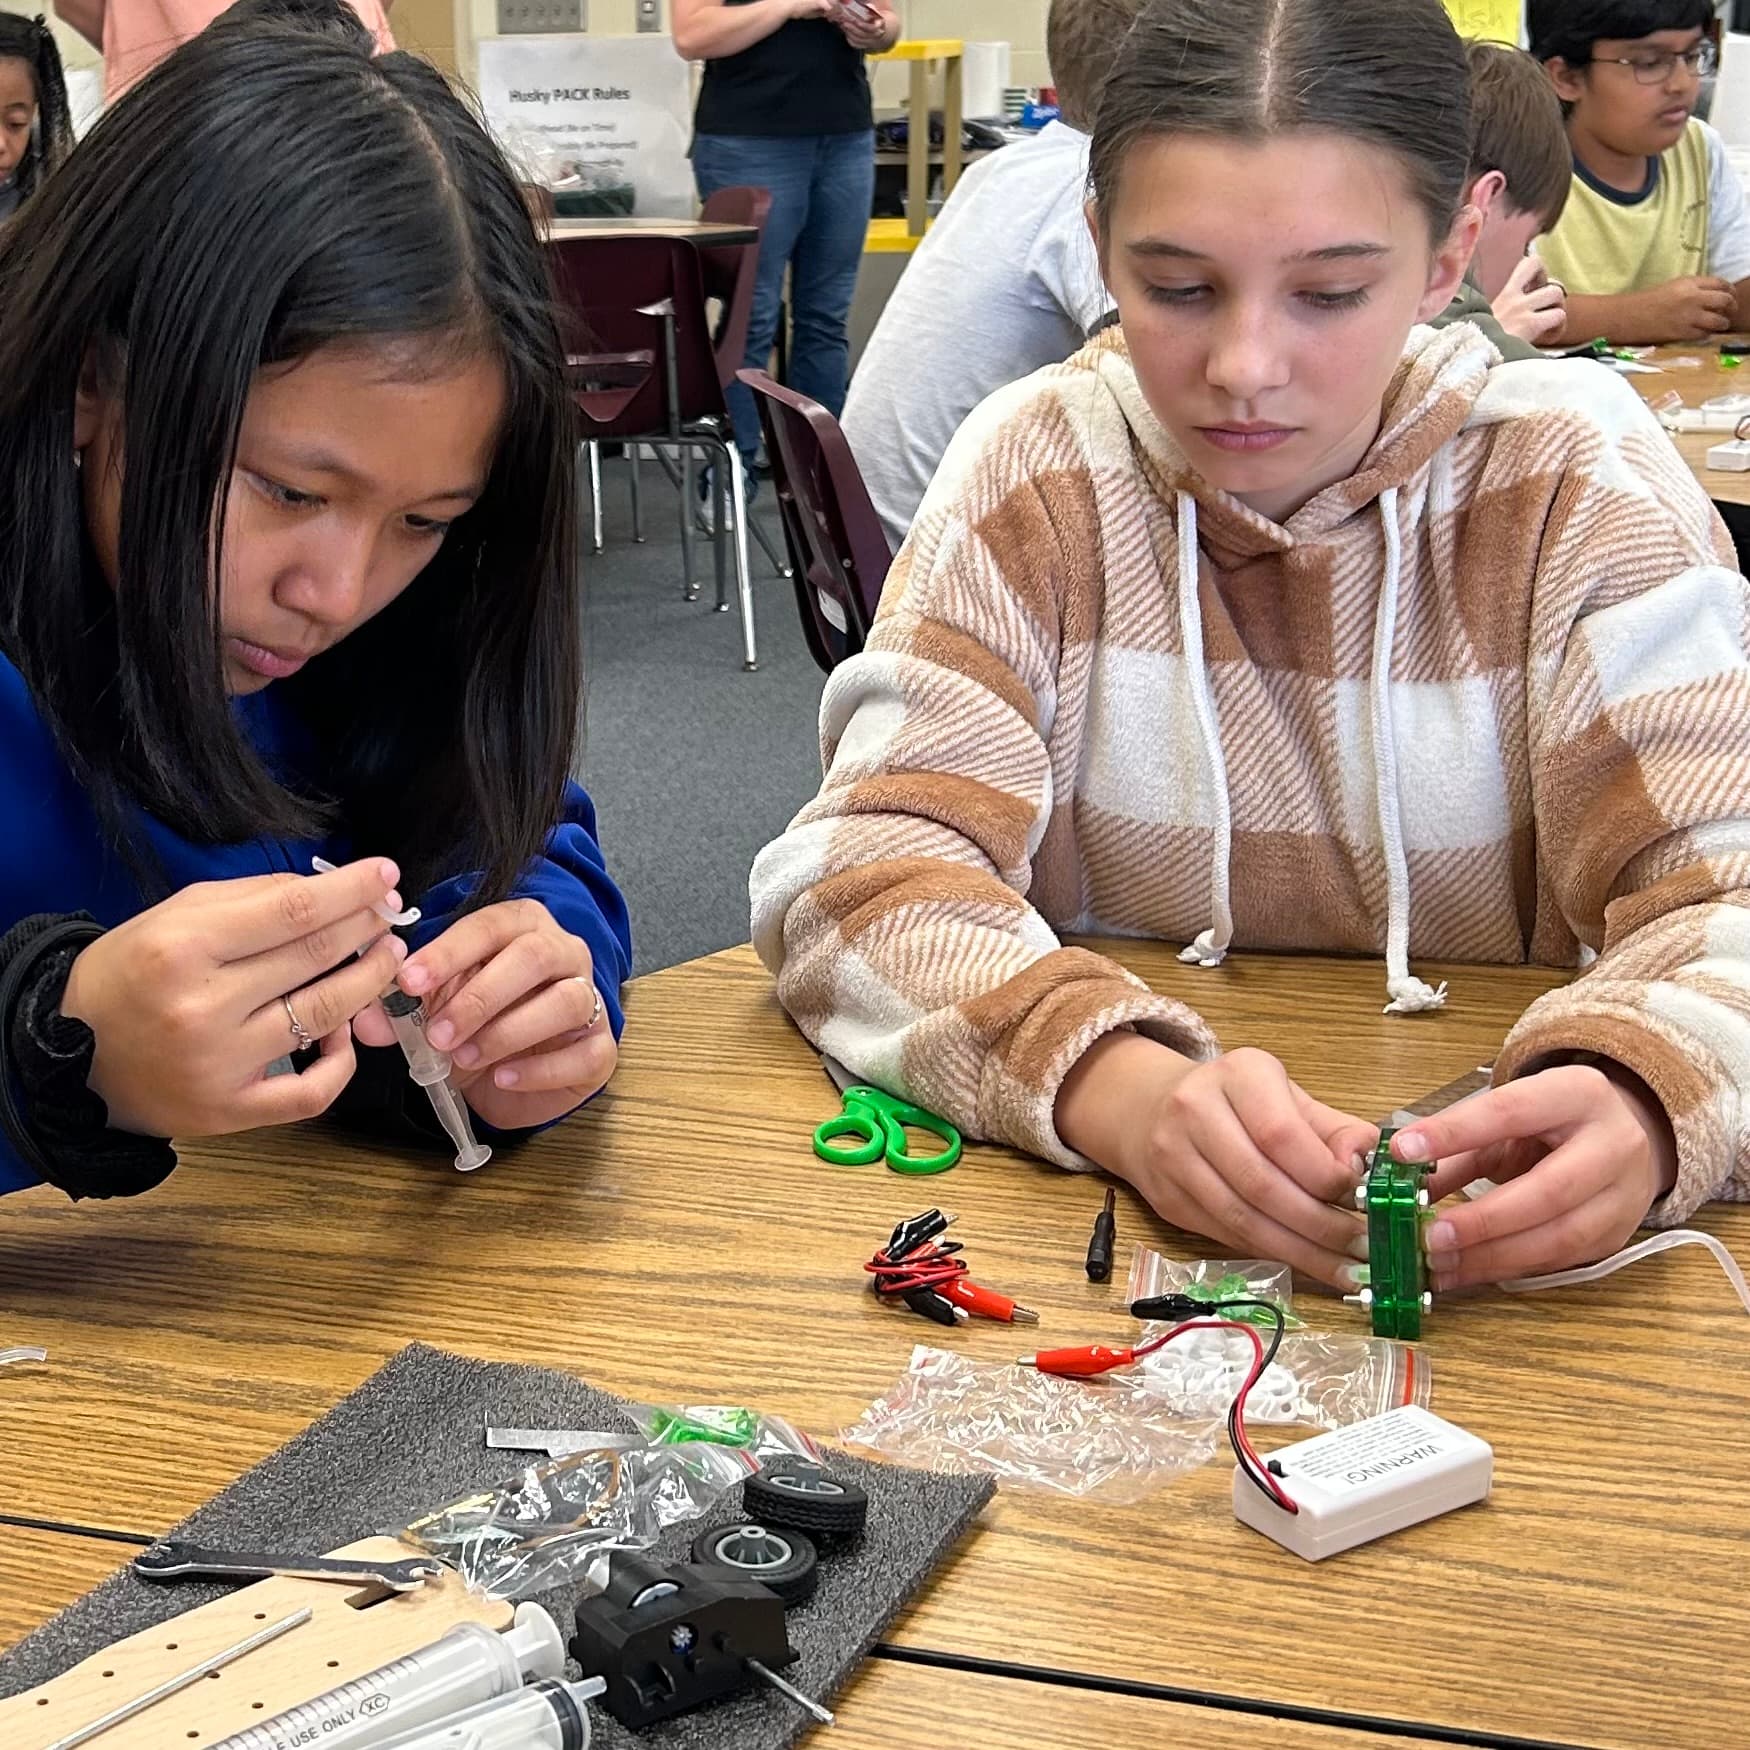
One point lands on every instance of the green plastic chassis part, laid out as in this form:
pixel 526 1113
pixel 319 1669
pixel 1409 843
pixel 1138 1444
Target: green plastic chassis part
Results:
pixel 1395 1199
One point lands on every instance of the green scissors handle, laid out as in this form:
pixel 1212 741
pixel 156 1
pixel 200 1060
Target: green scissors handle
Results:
pixel 879 1122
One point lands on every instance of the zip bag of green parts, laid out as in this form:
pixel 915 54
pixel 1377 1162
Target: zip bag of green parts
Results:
pixel 723 1425
pixel 1319 1379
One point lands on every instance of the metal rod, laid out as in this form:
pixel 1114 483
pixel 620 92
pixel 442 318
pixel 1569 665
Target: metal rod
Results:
pixel 779 564
pixel 193 1675
pixel 689 509
pixel 743 575
pixel 719 526
pixel 824 1715
pixel 595 489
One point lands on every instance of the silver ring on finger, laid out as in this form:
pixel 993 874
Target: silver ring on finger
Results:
pixel 595 1013
pixel 299 1034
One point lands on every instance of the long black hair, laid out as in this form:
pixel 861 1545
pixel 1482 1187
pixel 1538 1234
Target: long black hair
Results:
pixel 30 40
pixel 266 192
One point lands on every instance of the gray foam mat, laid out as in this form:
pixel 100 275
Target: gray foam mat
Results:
pixel 411 1438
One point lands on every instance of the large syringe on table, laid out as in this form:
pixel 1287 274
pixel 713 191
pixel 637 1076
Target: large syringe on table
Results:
pixel 464 1669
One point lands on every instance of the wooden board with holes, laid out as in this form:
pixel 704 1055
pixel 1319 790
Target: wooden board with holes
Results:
pixel 339 1643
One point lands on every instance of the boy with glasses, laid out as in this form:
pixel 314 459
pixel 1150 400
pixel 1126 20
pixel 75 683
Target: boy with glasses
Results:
pixel 1655 242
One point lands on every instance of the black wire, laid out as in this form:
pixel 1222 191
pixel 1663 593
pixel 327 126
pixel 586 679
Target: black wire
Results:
pixel 1233 1409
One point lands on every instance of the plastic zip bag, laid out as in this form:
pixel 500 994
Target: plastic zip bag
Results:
pixel 1211 1279
pixel 546 1525
pixel 723 1425
pixel 1324 1379
pixel 1115 1437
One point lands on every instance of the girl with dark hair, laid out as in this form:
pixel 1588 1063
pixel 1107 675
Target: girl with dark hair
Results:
pixel 286 571
pixel 36 126
pixel 1276 620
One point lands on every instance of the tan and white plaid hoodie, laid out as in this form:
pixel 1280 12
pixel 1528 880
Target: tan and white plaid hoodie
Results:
pixel 1488 699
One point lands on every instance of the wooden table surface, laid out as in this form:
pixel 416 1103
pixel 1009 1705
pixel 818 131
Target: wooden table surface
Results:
pixel 1697 383
pixel 1597 1599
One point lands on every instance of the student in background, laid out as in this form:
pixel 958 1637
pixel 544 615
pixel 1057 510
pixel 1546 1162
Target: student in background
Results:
pixel 287 569
pixel 1007 280
pixel 1655 242
pixel 784 105
pixel 334 18
pixel 1520 169
pixel 36 126
pixel 133 36
pixel 1274 620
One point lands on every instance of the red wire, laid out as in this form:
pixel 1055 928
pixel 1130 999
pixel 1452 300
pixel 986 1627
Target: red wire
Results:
pixel 927 1267
pixel 1242 1441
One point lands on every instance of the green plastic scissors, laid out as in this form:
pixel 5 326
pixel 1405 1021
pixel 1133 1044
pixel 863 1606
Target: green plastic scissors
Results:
pixel 879 1123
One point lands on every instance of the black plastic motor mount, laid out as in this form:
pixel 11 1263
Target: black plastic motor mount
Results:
pixel 668 1638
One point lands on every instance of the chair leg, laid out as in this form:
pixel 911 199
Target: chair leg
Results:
pixel 595 488
pixel 720 485
pixel 669 465
pixel 743 575
pixel 637 495
pixel 689 583
pixel 779 563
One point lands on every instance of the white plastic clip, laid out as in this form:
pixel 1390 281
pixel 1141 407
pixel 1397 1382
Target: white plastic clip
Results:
pixel 398 918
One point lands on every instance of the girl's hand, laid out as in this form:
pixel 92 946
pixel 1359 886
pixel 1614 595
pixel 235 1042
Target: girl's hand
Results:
pixel 510 996
pixel 1580 1155
pixel 1232 1149
pixel 188 1000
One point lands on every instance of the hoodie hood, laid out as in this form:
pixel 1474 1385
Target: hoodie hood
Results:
pixel 1428 400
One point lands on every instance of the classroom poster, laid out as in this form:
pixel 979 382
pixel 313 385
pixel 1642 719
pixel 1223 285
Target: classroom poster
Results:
pixel 1491 20
pixel 606 116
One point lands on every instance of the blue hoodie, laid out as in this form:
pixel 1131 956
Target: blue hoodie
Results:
pixel 54 857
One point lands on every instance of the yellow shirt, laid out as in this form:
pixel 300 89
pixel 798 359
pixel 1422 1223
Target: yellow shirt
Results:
pixel 1607 242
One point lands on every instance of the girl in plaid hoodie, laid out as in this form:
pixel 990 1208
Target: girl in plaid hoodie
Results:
pixel 1275 620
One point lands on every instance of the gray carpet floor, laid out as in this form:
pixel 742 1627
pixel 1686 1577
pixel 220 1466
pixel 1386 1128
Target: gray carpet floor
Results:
pixel 692 763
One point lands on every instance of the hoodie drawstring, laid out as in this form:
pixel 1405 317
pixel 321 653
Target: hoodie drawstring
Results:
pixel 1409 995
pixel 1210 948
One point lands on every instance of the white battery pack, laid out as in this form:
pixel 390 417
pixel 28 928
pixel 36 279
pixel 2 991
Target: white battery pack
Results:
pixel 1366 1481
pixel 1730 458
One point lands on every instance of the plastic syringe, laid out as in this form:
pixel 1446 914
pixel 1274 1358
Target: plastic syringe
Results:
pixel 469 1665
pixel 545 1716
pixel 430 1068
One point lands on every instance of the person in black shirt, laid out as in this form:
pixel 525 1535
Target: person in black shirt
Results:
pixel 785 106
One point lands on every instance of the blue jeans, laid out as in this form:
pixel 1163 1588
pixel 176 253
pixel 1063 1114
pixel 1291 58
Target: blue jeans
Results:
pixel 822 186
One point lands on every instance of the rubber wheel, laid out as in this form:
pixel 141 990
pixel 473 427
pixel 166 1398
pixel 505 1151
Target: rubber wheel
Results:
pixel 799 1495
pixel 783 1561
